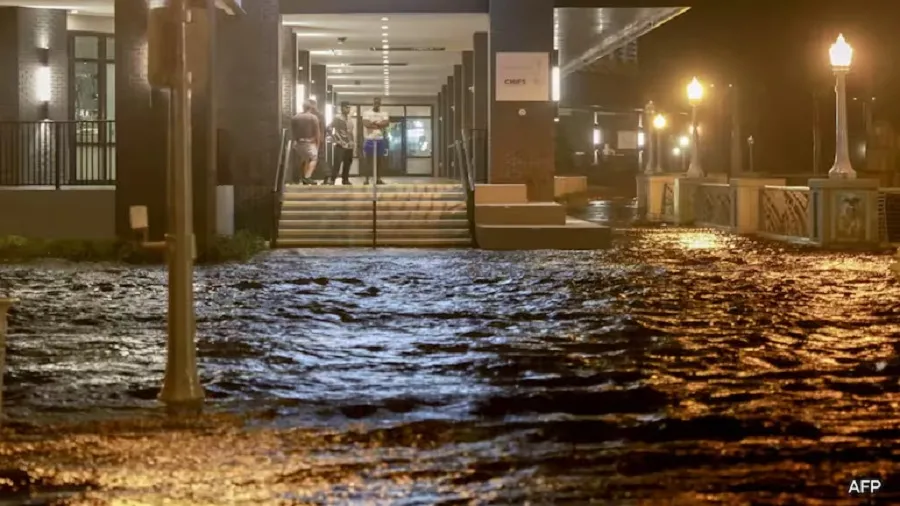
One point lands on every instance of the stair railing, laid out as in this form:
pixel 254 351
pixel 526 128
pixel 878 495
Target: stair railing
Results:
pixel 283 165
pixel 464 162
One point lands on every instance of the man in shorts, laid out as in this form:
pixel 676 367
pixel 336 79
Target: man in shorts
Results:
pixel 306 132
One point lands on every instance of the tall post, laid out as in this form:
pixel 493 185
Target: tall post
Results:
pixel 182 383
pixel 695 169
pixel 842 169
pixel 649 112
pixel 659 153
pixel 750 143
pixel 737 145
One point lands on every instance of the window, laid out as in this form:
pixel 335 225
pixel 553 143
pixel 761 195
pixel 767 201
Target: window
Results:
pixel 92 76
pixel 418 137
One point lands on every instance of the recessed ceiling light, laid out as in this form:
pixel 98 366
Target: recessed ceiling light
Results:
pixel 384 27
pixel 73 11
pixel 384 34
pixel 386 46
pixel 384 41
pixel 384 19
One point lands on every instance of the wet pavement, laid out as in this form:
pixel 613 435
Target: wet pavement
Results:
pixel 680 367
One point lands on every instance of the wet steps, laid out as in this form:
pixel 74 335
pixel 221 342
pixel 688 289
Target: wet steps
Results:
pixel 416 215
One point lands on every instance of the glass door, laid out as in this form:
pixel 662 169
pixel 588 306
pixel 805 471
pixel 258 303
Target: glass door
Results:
pixel 396 139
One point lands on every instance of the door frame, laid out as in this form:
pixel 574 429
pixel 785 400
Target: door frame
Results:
pixel 403 165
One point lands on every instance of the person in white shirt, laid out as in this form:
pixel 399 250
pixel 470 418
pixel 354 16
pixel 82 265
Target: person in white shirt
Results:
pixel 375 123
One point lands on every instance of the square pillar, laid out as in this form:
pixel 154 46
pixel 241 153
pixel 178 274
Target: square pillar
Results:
pixel 745 198
pixel 522 128
pixel 686 190
pixel 481 71
pixel 844 212
pixel 445 130
pixel 459 101
pixel 451 127
pixel 468 59
pixel 437 142
pixel 289 66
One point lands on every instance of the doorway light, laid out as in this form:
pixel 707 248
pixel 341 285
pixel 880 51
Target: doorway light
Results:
pixel 554 84
pixel 597 137
pixel 329 113
pixel 301 96
pixel 43 88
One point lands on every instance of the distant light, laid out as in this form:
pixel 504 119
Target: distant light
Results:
pixel 683 141
pixel 676 151
pixel 597 137
pixel 384 19
pixel 642 139
pixel 695 90
pixel 556 119
pixel 659 122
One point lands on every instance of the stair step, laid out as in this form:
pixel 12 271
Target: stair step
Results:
pixel 362 205
pixel 367 196
pixel 389 188
pixel 410 233
pixel 367 224
pixel 387 215
pixel 382 241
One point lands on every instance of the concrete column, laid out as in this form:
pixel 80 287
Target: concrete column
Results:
pixel 522 146
pixel 304 75
pixel 289 67
pixel 480 99
pixel 468 81
pixel 451 127
pixel 319 88
pixel 844 213
pixel 437 141
pixel 250 108
pixel 459 100
pixel 445 129
pixel 141 125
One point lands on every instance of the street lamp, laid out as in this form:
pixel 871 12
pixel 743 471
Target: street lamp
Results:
pixel 695 95
pixel 659 123
pixel 841 55
pixel 650 117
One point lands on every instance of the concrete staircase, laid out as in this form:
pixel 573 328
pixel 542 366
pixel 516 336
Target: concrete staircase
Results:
pixel 409 215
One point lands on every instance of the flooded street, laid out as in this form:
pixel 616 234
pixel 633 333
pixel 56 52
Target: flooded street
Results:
pixel 681 367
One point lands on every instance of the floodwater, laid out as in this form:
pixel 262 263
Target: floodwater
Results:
pixel 681 367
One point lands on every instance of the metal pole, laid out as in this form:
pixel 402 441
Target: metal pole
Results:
pixel 695 170
pixel 650 110
pixel 842 168
pixel 375 193
pixel 182 383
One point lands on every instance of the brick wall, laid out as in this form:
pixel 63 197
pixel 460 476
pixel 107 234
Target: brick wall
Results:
pixel 250 105
pixel 23 32
pixel 9 64
pixel 43 28
pixel 288 72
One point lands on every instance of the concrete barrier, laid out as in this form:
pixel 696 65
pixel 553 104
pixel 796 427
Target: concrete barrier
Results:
pixel 501 194
pixel 73 213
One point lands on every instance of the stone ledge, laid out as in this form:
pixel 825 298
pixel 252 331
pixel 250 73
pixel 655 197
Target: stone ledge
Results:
pixel 528 213
pixel 574 235
pixel 501 193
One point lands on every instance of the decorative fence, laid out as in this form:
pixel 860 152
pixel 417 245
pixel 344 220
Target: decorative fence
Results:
pixel 714 205
pixel 668 201
pixel 57 153
pixel 889 215
pixel 784 213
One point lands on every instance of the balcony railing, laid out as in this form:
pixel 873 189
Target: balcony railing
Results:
pixel 58 153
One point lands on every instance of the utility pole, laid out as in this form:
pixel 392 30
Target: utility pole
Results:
pixel 169 68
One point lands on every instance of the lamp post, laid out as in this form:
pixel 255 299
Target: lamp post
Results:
pixel 695 94
pixel 659 123
pixel 750 143
pixel 649 113
pixel 841 55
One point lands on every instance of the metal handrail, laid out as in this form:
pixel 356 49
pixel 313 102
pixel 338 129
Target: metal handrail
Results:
pixel 284 158
pixel 465 174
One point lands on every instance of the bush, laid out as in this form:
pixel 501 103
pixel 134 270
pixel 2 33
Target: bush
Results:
pixel 242 246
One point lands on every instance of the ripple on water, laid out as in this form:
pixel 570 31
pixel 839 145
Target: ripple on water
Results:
pixel 682 364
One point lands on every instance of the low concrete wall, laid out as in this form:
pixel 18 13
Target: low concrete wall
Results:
pixel 77 213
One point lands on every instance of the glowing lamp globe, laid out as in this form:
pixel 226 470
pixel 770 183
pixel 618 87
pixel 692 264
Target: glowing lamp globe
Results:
pixel 841 53
pixel 695 90
pixel 659 122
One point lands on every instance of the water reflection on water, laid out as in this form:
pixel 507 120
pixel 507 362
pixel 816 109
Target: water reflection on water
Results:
pixel 683 364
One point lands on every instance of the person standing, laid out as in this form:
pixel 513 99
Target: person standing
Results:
pixel 305 131
pixel 323 152
pixel 344 142
pixel 375 123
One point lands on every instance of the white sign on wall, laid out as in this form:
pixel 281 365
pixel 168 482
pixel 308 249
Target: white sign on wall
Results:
pixel 523 77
